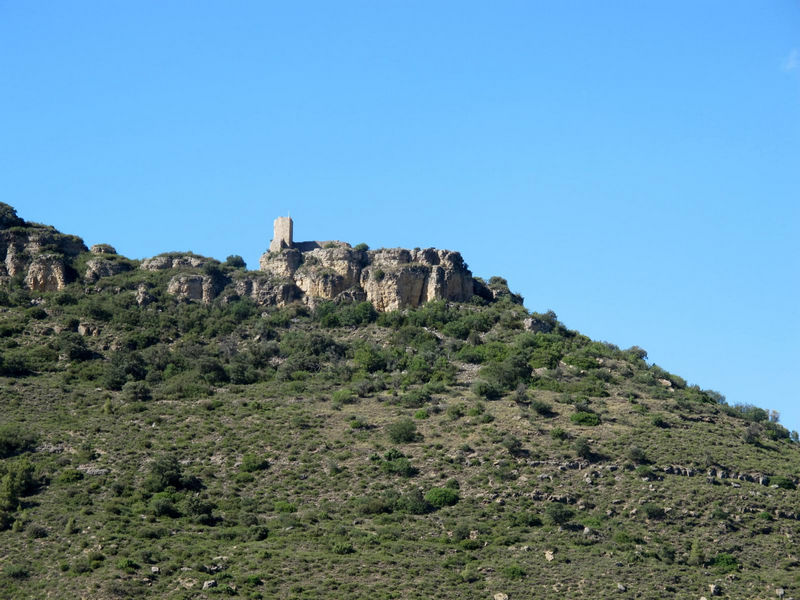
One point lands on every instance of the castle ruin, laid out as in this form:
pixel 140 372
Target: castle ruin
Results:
pixel 282 234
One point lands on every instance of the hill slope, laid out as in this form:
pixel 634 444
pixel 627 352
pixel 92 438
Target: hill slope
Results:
pixel 151 445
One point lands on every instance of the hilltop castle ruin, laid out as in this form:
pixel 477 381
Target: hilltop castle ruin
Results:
pixel 389 278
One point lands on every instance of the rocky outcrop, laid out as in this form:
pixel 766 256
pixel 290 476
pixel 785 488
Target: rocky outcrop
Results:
pixel 102 249
pixel 389 278
pixel 39 254
pixel 266 291
pixel 163 262
pixel 47 273
pixel 98 268
pixel 194 287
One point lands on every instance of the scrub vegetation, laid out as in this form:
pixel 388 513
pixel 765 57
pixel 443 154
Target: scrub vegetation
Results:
pixel 454 450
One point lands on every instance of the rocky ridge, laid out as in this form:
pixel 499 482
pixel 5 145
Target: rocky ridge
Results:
pixel 390 278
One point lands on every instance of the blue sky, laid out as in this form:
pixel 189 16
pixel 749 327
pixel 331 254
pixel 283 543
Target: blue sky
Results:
pixel 634 166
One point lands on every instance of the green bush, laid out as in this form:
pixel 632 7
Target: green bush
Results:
pixel 344 396
pixel 558 513
pixel 14 440
pixel 252 463
pixel 585 418
pixel 653 511
pixel 725 563
pixel 402 431
pixel 441 497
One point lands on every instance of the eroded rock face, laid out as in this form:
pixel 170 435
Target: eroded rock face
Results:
pixel 102 249
pixel 47 273
pixel 97 268
pixel 173 261
pixel 38 253
pixel 391 278
pixel 193 287
pixel 266 291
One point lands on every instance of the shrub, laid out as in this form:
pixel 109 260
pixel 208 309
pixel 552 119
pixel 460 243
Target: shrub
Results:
pixel 513 572
pixel 402 431
pixel 487 390
pixel 637 455
pixel 396 463
pixel 512 444
pixel 558 514
pixel 583 449
pixel 343 548
pixel 440 497
pixel 725 563
pixel 252 462
pixel 15 441
pixel 344 396
pixel 542 408
pixel 585 418
pixel 783 482
pixel 165 471
pixel 653 511
pixel 136 391
pixel 362 247
pixel 235 261
pixel 659 421
pixel 558 433
pixel 282 506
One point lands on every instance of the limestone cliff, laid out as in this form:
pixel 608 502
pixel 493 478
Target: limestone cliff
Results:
pixel 389 278
pixel 38 254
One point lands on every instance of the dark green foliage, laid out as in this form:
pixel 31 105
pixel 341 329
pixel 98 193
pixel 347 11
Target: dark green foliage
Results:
pixel 235 262
pixel 402 431
pixel 136 391
pixel 166 472
pixel 725 563
pixel 441 497
pixel 783 482
pixel 558 514
pixel 653 511
pixel 252 463
pixel 14 440
pixel 583 449
pixel 584 418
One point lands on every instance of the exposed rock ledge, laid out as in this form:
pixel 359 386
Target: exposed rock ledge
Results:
pixel 389 278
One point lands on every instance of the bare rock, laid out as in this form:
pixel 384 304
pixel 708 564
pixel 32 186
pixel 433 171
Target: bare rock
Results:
pixel 102 249
pixel 267 291
pixel 47 273
pixel 194 287
pixel 98 268
pixel 714 589
pixel 281 264
pixel 211 583
pixel 500 596
pixel 163 262
pixel 391 278
pixel 143 297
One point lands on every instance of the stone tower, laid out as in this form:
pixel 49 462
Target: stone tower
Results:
pixel 282 234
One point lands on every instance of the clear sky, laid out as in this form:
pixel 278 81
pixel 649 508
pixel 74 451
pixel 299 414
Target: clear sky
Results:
pixel 634 166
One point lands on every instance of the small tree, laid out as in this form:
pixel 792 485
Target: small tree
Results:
pixel 235 261
pixel 402 431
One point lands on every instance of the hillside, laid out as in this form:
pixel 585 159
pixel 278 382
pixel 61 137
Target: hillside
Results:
pixel 194 429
